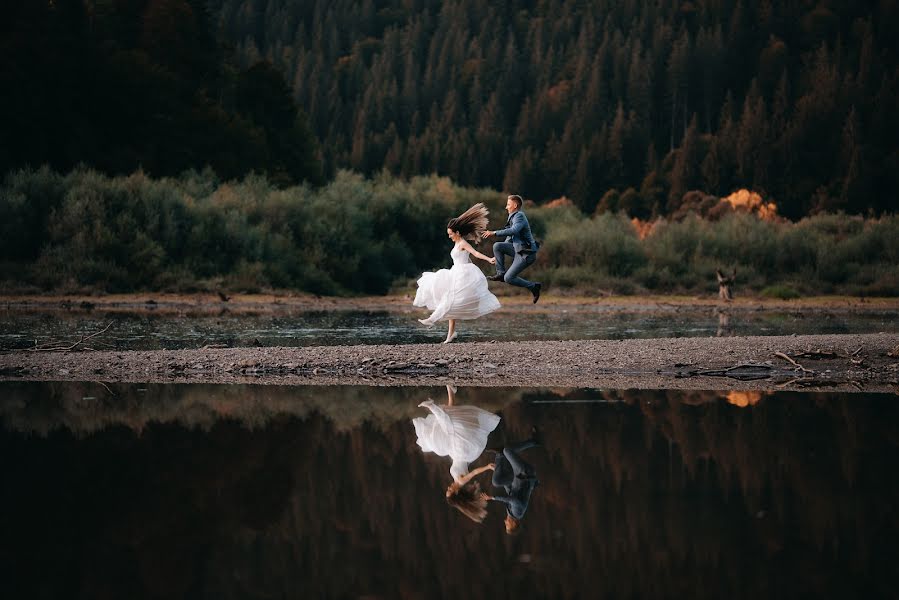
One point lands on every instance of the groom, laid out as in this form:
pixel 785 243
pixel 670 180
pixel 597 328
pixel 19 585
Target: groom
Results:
pixel 519 244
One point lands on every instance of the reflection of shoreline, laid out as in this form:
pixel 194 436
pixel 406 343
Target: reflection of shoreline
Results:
pixel 85 408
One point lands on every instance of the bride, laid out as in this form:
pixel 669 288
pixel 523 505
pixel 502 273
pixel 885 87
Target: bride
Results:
pixel 460 292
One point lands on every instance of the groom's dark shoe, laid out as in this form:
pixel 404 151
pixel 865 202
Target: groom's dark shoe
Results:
pixel 497 277
pixel 536 291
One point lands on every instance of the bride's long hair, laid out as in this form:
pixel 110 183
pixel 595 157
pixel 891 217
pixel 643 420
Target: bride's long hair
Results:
pixel 472 223
pixel 468 499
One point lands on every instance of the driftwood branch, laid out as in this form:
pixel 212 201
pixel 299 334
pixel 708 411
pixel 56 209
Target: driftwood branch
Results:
pixel 57 346
pixel 815 382
pixel 852 356
pixel 724 283
pixel 792 362
pixel 815 354
pixel 734 368
pixel 821 354
pixel 111 393
pixel 743 371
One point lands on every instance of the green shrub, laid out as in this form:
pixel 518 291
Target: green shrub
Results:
pixel 741 239
pixel 674 245
pixel 85 231
pixel 606 244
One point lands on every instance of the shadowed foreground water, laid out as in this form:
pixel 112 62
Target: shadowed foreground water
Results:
pixel 173 491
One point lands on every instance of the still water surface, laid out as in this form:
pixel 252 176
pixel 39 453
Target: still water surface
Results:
pixel 147 331
pixel 201 491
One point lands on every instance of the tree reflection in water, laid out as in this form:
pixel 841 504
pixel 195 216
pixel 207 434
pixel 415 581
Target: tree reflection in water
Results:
pixel 323 492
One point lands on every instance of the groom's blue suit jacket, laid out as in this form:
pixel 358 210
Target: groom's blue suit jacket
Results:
pixel 518 231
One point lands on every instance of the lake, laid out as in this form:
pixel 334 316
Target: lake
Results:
pixel 261 491
pixel 149 331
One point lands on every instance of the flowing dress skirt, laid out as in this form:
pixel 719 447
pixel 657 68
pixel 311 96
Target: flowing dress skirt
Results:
pixel 457 293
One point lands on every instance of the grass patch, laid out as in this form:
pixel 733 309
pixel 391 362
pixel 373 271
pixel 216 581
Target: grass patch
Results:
pixel 782 292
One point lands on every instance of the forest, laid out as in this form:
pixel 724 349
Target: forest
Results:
pixel 793 99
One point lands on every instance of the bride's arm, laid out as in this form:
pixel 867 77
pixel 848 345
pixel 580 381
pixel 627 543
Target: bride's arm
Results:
pixel 467 247
pixel 466 478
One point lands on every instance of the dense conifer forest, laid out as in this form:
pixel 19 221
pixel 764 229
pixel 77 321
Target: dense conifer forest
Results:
pixel 615 104
pixel 794 99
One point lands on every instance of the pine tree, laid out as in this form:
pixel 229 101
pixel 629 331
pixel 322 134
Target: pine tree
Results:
pixel 850 158
pixel 639 89
pixel 678 85
pixel 684 175
pixel 711 170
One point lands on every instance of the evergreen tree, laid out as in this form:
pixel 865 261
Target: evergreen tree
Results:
pixel 685 174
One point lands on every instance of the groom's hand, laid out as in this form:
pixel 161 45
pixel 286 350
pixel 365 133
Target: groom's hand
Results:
pixel 487 234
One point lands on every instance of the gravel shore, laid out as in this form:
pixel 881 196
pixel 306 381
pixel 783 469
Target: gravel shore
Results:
pixel 868 362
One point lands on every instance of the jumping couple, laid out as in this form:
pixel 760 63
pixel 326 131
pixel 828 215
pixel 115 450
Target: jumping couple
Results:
pixel 462 291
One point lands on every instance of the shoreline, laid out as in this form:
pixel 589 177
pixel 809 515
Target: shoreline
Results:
pixel 836 363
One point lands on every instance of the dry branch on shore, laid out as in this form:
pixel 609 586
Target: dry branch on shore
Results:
pixel 792 362
pixel 57 346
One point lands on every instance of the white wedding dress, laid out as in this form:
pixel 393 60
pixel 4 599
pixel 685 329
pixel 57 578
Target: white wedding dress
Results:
pixel 459 432
pixel 457 293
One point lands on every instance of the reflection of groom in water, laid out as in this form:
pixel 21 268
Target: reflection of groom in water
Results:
pixel 519 244
pixel 518 478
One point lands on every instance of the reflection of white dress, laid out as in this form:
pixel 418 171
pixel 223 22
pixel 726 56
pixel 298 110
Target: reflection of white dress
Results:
pixel 459 432
pixel 457 293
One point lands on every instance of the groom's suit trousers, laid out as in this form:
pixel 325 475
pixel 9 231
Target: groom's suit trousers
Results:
pixel 519 263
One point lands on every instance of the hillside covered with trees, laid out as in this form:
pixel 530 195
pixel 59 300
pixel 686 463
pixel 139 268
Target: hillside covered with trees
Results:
pixel 794 99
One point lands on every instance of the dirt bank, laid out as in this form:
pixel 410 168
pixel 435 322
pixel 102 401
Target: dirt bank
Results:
pixel 833 362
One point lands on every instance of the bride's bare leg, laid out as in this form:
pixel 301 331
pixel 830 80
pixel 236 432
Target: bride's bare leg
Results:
pixel 450 332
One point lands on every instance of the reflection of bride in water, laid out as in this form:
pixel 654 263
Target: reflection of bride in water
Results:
pixel 459 432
